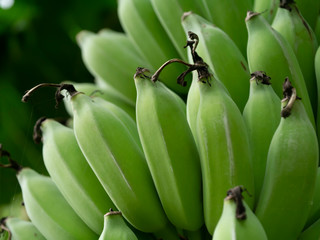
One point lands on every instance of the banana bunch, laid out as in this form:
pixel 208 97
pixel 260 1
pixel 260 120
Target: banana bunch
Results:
pixel 202 122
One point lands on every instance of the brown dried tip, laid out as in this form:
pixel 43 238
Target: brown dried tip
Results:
pixel 111 212
pixel 12 164
pixel 236 195
pixel 261 77
pixel 37 133
pixel 140 72
pixel 286 4
pixel 289 96
pixel 251 14
pixel 185 14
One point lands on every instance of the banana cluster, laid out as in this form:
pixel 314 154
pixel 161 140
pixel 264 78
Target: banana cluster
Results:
pixel 202 123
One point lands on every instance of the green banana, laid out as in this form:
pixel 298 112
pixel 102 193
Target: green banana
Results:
pixel 72 174
pixel 290 177
pixel 46 207
pixel 317 29
pixel 220 52
pixel 170 151
pixel 261 116
pixel 111 56
pixel 194 6
pixel 115 228
pixel 223 144
pixel 268 51
pixel 312 232
pixel 150 39
pixel 229 15
pixel 310 10
pixel 103 91
pixel 267 8
pixel 237 220
pixel 22 230
pixel 293 27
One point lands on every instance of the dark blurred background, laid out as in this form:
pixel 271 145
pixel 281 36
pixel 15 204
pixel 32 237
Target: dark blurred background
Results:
pixel 38 44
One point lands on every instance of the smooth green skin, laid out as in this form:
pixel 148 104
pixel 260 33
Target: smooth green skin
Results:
pixel 230 228
pixel 219 51
pixel 267 8
pixel 268 51
pixel 171 152
pixel 293 27
pixel 229 15
pixel 194 6
pixel 23 230
pixel 73 175
pixel 140 22
pixel 317 29
pixel 170 18
pixel 111 148
pixel 290 178
pixel 262 117
pixel 112 57
pixel 48 210
pixel 314 213
pixel 223 144
pixel 115 228
pixel 310 10
pixel 105 92
pixel 317 71
pixel 311 233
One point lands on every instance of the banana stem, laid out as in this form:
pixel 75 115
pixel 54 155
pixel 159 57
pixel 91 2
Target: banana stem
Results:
pixel 4 227
pixel 68 87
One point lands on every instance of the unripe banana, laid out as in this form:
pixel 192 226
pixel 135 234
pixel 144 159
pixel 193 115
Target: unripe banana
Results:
pixel 267 8
pixel 223 143
pixel 72 174
pixel 229 16
pixel 22 230
pixel 111 57
pixel 140 22
pixel 261 116
pixel 170 151
pixel 237 221
pixel 46 207
pixel 290 177
pixel 293 27
pixel 268 51
pixel 317 29
pixel 317 71
pixel 115 228
pixel 220 53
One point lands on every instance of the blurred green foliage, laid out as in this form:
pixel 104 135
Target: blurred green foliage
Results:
pixel 38 44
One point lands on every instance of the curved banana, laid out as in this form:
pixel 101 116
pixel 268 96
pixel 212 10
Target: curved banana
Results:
pixel 170 151
pixel 72 174
pixel 267 8
pixel 290 177
pixel 220 52
pixel 46 207
pixel 111 56
pixel 115 228
pixel 268 51
pixel 22 230
pixel 229 15
pixel 261 116
pixel 223 143
pixel 140 22
pixel 293 27
pixel 237 220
